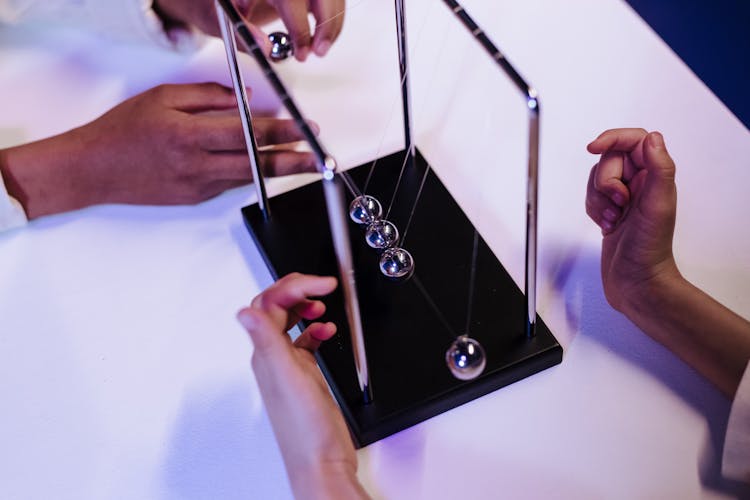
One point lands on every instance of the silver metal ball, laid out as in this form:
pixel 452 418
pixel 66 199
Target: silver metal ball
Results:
pixel 396 263
pixel 281 46
pixel 381 234
pixel 465 358
pixel 365 209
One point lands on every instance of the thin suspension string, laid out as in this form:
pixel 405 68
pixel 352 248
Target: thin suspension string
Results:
pixel 398 181
pixel 350 184
pixel 433 306
pixel 391 114
pixel 429 167
pixel 352 188
pixel 475 243
pixel 425 19
pixel 416 201
pixel 472 277
pixel 344 11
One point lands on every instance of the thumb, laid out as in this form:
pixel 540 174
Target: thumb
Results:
pixel 264 335
pixel 659 183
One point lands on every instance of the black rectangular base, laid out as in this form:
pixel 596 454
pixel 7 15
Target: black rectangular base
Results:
pixel 408 325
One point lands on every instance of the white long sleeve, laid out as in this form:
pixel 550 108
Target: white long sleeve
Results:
pixel 736 461
pixel 126 20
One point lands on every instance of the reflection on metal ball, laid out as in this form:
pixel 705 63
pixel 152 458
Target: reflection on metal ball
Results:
pixel 381 234
pixel 281 46
pixel 396 263
pixel 365 209
pixel 465 358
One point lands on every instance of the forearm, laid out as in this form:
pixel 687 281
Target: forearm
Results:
pixel 328 481
pixel 44 176
pixel 705 334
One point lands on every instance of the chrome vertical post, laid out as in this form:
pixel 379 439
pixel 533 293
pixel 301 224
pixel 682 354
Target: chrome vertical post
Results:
pixel 227 34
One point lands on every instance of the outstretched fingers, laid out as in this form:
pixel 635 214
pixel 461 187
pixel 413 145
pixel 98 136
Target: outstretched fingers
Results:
pixel 223 132
pixel 196 97
pixel 314 335
pixel 280 306
pixel 291 291
pixel 235 167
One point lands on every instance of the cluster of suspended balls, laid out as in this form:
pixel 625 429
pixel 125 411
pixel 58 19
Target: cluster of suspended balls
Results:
pixel 465 357
pixel 382 235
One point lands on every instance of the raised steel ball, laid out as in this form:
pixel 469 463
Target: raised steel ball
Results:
pixel 381 234
pixel 465 358
pixel 396 263
pixel 365 209
pixel 281 46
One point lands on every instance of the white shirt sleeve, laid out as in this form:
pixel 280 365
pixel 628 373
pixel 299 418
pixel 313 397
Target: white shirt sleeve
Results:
pixel 736 461
pixel 125 20
pixel 11 212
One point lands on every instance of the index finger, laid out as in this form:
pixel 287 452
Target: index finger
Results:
pixel 223 132
pixel 608 177
pixel 281 298
pixel 294 14
pixel 329 17
pixel 623 140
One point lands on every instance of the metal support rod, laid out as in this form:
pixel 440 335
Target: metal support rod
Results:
pixel 337 216
pixel 403 64
pixel 246 118
pixel 532 186
pixel 532 203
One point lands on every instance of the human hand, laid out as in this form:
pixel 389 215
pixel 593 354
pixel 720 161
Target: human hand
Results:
pixel 173 144
pixel 314 440
pixel 329 19
pixel 328 14
pixel 631 195
pixel 202 15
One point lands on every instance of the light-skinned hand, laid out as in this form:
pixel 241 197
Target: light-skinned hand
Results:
pixel 631 195
pixel 328 15
pixel 314 440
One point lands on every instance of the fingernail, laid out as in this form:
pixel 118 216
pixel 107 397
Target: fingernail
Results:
pixel 619 199
pixel 606 226
pixel 322 47
pixel 610 214
pixel 656 140
pixel 314 126
pixel 302 53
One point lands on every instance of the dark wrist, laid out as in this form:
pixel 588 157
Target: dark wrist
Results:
pixel 40 175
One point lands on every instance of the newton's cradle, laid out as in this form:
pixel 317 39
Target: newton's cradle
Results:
pixel 405 290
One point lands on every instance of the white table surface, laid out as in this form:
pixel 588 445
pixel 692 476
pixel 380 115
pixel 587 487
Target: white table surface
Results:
pixel 123 373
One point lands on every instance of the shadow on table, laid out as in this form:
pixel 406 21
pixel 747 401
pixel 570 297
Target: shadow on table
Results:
pixel 223 447
pixel 576 275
